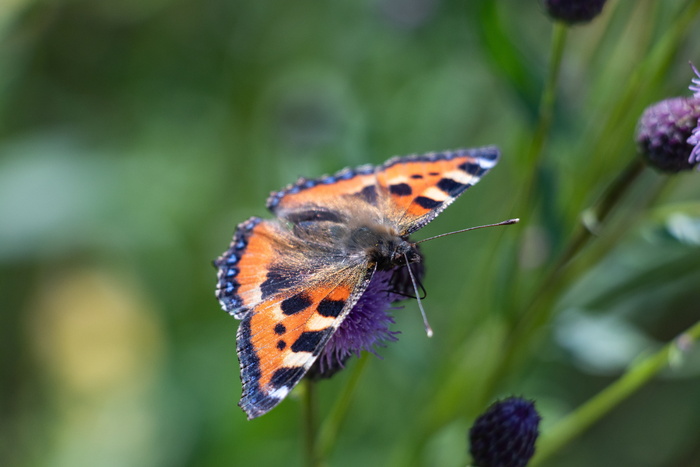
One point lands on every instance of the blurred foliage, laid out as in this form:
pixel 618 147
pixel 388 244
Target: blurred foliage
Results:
pixel 135 135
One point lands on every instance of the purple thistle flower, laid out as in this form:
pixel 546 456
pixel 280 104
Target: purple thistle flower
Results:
pixel 574 11
pixel 367 325
pixel 694 138
pixel 505 435
pixel 695 87
pixel 695 141
pixel 667 132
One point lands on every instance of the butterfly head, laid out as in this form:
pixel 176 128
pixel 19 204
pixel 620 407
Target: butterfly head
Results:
pixel 384 246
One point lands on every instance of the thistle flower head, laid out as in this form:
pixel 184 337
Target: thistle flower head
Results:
pixel 668 136
pixel 574 11
pixel 367 325
pixel 505 435
pixel 694 138
pixel 695 86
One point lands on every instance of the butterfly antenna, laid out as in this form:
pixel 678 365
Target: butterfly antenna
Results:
pixel 428 329
pixel 508 222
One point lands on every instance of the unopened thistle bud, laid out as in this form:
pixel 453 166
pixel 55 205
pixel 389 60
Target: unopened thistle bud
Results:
pixel 667 134
pixel 505 435
pixel 574 11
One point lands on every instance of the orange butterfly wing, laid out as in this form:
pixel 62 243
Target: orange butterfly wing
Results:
pixel 410 191
pixel 288 310
pixel 420 187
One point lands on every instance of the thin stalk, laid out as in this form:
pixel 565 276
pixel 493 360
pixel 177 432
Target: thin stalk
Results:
pixel 604 245
pixel 546 110
pixel 577 422
pixel 541 306
pixel 602 210
pixel 309 402
pixel 546 113
pixel 331 425
pixel 525 204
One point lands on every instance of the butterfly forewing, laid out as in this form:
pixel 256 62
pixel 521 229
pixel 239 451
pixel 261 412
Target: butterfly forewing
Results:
pixel 420 187
pixel 323 191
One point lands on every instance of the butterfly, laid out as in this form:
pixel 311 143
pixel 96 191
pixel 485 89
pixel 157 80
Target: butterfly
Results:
pixel 293 280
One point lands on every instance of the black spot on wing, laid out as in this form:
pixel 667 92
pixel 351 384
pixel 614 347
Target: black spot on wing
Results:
pixel 281 344
pixel 427 203
pixel 280 329
pixel 277 280
pixel 451 187
pixel 286 376
pixel 295 304
pixel 314 215
pixel 473 168
pixel 309 341
pixel 368 194
pixel 400 189
pixel 330 308
pixel 416 176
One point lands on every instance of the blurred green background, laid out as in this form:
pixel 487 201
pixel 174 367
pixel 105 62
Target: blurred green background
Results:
pixel 136 134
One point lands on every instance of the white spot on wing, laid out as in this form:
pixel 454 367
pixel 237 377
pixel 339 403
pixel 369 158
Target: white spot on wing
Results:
pixel 397 180
pixel 296 359
pixel 462 177
pixel 487 164
pixel 318 322
pixel 435 194
pixel 280 393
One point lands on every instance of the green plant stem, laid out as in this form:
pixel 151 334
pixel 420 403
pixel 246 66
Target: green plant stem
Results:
pixel 546 113
pixel 604 245
pixel 524 205
pixel 573 425
pixel 331 425
pixel 309 403
pixel 601 211
pixel 546 110
pixel 540 308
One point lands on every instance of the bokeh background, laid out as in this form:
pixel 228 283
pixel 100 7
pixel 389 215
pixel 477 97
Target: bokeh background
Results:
pixel 136 134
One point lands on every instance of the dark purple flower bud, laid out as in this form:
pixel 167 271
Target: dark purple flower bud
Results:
pixel 667 132
pixel 574 11
pixel 505 435
pixel 367 324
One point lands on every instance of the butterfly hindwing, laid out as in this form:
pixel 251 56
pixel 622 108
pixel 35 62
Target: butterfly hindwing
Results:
pixel 246 275
pixel 290 298
pixel 420 187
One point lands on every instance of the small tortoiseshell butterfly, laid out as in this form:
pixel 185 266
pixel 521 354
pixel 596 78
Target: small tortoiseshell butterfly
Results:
pixel 294 279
